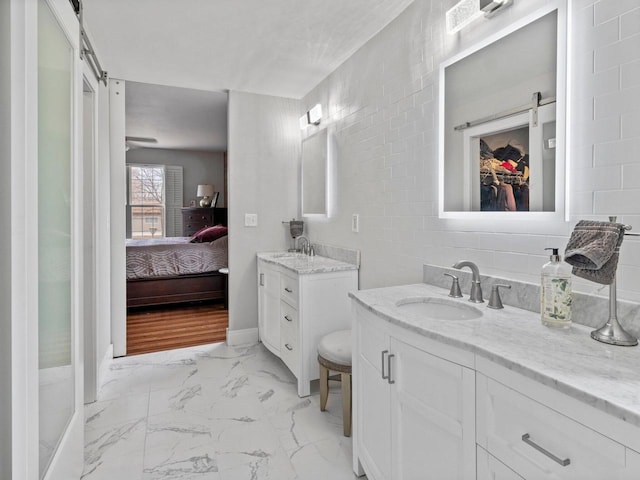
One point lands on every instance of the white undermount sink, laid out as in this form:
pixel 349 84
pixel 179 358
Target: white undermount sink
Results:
pixel 439 308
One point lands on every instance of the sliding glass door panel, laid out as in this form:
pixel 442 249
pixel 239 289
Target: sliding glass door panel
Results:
pixel 54 207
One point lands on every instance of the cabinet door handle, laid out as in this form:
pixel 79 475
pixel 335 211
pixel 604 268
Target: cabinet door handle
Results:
pixel 262 279
pixel 288 318
pixel 288 347
pixel 288 290
pixel 526 438
pixel 391 382
pixel 382 362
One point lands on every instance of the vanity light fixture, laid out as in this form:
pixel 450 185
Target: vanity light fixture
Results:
pixel 491 7
pixel 315 114
pixel 312 117
pixel 466 11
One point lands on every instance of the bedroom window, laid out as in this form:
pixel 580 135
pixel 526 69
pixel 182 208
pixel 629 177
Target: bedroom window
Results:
pixel 147 201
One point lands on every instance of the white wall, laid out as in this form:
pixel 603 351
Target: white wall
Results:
pixel 383 105
pixel 198 168
pixel 5 242
pixel 264 151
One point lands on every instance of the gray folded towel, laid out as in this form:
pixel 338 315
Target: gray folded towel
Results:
pixel 593 250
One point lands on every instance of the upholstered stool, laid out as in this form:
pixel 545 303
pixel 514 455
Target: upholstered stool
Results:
pixel 334 353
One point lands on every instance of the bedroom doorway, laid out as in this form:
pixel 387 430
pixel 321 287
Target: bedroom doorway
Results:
pixel 175 148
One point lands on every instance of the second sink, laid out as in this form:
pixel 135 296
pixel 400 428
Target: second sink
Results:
pixel 439 308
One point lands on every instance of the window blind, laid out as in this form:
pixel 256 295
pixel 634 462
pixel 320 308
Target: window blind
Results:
pixel 173 200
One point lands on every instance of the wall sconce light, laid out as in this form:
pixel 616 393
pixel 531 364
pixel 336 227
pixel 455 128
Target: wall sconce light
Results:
pixel 312 117
pixel 466 11
pixel 206 192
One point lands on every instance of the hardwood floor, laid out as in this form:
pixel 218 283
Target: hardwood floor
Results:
pixel 166 328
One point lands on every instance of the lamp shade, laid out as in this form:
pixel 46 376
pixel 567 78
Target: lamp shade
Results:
pixel 205 191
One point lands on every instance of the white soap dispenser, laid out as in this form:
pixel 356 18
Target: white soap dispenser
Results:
pixel 555 292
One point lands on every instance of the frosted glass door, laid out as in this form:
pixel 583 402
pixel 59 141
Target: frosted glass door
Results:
pixel 55 140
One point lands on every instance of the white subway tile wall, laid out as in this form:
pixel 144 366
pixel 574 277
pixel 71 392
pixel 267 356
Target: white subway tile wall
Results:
pixel 382 104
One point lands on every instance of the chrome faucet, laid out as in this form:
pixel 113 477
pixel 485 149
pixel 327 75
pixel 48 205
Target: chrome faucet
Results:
pixel 476 288
pixel 305 247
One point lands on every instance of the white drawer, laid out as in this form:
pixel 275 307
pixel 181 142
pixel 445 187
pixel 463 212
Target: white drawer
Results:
pixel 538 442
pixel 289 289
pixel 289 343
pixel 288 321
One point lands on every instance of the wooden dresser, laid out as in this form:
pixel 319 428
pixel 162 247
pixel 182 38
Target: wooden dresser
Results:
pixel 193 219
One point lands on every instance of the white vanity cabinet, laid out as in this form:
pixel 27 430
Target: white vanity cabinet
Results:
pixel 490 468
pixel 296 310
pixel 414 412
pixel 269 307
pixel 495 398
pixel 539 433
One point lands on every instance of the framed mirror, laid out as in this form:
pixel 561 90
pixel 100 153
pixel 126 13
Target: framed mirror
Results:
pixel 502 123
pixel 315 174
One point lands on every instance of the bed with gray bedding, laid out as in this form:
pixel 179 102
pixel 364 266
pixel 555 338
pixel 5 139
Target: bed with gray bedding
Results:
pixel 174 270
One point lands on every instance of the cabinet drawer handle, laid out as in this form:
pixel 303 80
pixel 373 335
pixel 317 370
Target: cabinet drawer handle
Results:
pixel 262 279
pixel 288 318
pixel 288 347
pixel 384 377
pixel 288 290
pixel 391 382
pixel 526 438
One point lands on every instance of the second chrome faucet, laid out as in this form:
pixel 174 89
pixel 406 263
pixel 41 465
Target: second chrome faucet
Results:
pixel 476 288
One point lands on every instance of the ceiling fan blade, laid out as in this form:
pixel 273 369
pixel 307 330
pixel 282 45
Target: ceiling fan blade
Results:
pixel 141 139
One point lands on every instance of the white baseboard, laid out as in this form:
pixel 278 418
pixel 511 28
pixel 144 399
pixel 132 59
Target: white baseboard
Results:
pixel 103 368
pixel 242 337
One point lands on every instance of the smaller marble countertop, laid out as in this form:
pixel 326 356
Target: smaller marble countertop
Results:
pixel 305 264
pixel 604 376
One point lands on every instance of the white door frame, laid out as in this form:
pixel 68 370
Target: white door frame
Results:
pixel 24 227
pixel 118 180
pixel 90 214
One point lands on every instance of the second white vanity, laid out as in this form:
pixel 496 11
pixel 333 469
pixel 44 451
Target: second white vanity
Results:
pixel 498 396
pixel 301 299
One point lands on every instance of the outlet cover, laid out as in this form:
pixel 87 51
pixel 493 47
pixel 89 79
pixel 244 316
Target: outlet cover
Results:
pixel 355 223
pixel 250 219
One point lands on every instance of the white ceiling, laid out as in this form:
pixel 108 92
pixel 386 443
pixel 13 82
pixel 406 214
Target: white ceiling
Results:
pixel 178 118
pixel 271 47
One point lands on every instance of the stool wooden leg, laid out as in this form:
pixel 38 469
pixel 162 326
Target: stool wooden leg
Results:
pixel 346 403
pixel 324 387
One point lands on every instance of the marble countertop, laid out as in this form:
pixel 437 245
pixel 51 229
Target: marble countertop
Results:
pixel 305 264
pixel 604 376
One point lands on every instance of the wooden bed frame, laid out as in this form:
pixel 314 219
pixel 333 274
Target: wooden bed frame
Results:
pixel 178 289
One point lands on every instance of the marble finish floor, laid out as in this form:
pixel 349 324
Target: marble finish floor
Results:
pixel 212 412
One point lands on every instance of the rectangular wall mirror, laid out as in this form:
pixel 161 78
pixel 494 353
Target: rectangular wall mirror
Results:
pixel 502 118
pixel 315 174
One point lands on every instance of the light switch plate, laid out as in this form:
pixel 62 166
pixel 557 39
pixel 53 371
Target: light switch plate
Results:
pixel 250 219
pixel 355 223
